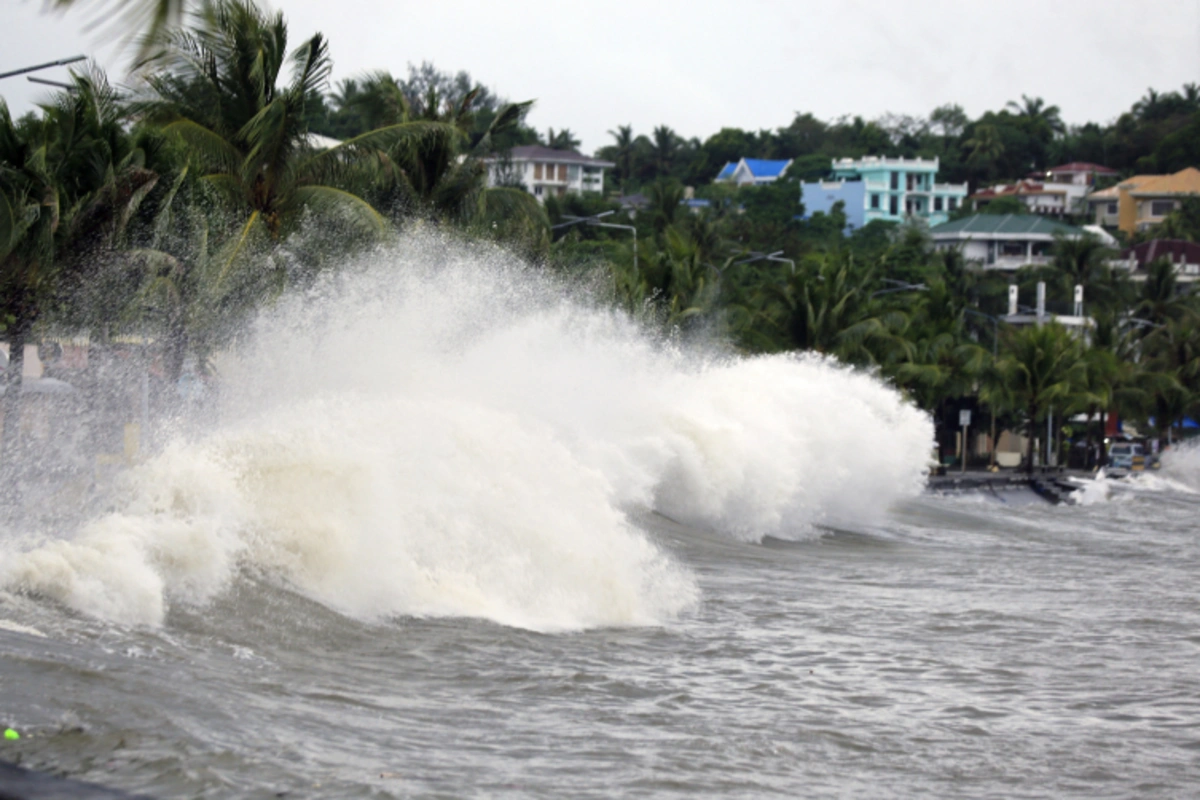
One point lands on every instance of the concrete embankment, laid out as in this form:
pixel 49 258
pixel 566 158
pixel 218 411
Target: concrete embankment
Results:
pixel 1054 486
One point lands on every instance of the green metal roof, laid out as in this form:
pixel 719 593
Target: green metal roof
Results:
pixel 1005 225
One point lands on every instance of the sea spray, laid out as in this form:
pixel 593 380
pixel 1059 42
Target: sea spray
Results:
pixel 1181 464
pixel 442 430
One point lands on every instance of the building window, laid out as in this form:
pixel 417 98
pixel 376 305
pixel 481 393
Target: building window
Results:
pixel 953 203
pixel 1112 208
pixel 537 190
pixel 894 204
pixel 1160 208
pixel 937 204
pixel 537 172
pixel 562 172
pixel 874 201
pixel 895 182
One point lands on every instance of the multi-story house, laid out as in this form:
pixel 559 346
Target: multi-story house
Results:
pixel 544 171
pixel 1139 202
pixel 890 189
pixel 1054 199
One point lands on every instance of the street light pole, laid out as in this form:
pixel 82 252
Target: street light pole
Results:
pixel 756 256
pixel 594 221
pixel 62 62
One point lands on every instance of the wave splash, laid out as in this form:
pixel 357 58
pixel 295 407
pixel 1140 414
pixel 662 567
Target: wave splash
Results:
pixel 445 432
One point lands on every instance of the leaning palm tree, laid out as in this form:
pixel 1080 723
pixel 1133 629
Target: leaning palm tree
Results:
pixel 216 87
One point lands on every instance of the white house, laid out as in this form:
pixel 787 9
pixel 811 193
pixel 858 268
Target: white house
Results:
pixel 544 171
pixel 1003 241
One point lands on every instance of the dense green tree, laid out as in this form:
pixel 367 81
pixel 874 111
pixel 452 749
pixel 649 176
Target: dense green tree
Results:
pixel 70 181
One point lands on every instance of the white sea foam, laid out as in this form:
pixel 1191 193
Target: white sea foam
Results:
pixel 445 432
pixel 1181 464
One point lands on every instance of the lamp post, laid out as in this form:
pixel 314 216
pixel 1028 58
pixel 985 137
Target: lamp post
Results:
pixel 594 221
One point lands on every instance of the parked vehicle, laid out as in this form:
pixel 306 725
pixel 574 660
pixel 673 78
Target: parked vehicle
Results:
pixel 1130 457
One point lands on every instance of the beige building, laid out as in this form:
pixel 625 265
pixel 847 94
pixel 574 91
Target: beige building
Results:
pixel 1139 202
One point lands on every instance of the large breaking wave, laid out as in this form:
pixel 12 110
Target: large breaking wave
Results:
pixel 445 431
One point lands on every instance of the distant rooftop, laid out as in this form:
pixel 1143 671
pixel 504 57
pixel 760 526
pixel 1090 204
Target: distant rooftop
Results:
pixel 1005 225
pixel 1020 188
pixel 727 170
pixel 762 168
pixel 1186 181
pixel 536 152
pixel 1083 166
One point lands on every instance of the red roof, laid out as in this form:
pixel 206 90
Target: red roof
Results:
pixel 1177 251
pixel 1014 189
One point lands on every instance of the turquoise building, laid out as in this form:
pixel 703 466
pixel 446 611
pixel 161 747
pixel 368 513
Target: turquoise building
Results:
pixel 890 189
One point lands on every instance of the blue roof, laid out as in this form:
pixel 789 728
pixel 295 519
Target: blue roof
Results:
pixel 761 168
pixel 726 170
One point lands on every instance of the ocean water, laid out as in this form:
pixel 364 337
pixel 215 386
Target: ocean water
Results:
pixel 456 530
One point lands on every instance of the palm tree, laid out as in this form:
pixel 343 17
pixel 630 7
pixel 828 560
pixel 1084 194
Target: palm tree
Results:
pixel 376 99
pixel 985 148
pixel 827 306
pixel 1160 299
pixel 939 362
pixel 666 147
pixel 1041 366
pixel 1083 261
pixel 1035 108
pixel 665 197
pixel 1173 349
pixel 444 176
pixel 624 154
pixel 674 283
pixel 562 140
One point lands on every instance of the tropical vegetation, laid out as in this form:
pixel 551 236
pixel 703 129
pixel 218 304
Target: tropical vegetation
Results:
pixel 163 213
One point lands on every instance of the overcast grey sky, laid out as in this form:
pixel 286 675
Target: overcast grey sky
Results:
pixel 705 64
